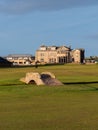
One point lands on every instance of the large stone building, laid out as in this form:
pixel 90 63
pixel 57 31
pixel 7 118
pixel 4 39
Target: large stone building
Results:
pixel 61 54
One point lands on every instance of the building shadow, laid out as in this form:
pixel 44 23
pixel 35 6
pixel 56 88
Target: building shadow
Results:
pixel 90 82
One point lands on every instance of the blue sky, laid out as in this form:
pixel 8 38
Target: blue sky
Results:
pixel 27 24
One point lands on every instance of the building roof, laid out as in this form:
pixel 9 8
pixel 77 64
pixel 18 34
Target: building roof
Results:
pixel 80 49
pixel 56 47
pixel 19 55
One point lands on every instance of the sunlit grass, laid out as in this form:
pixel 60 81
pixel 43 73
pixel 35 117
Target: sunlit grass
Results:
pixel 73 106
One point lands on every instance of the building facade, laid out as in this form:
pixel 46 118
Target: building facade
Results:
pixel 61 54
pixel 20 59
pixel 78 55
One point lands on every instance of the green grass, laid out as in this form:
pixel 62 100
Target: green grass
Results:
pixel 73 106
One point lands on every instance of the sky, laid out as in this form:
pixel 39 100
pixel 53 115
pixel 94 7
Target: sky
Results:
pixel 25 25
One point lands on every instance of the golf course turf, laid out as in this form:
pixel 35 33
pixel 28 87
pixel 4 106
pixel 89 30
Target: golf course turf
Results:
pixel 73 106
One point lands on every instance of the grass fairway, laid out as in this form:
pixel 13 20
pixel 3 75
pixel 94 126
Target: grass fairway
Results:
pixel 73 106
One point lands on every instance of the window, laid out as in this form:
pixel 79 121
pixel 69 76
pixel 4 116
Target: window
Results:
pixel 20 63
pixel 42 60
pixel 42 54
pixel 15 58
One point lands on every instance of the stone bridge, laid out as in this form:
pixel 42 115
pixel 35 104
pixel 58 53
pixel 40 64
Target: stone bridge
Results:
pixel 45 78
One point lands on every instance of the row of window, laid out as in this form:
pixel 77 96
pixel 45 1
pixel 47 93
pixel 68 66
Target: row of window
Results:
pixel 18 58
pixel 51 60
pixel 54 54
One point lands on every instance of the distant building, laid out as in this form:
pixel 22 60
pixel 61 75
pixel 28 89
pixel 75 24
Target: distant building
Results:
pixel 20 59
pixel 59 54
pixel 4 62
